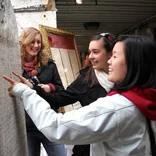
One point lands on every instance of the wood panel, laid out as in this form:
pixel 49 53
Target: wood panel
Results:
pixel 58 60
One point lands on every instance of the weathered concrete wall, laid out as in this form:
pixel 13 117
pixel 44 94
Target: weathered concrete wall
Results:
pixel 31 13
pixel 33 19
pixel 12 117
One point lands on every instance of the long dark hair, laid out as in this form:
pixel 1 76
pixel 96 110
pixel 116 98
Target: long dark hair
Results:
pixel 90 78
pixel 140 54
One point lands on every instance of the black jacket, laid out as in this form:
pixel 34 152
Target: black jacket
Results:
pixel 46 74
pixel 76 91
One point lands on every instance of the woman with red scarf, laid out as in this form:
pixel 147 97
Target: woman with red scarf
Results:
pixel 41 71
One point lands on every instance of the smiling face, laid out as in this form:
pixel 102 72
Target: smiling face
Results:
pixel 98 55
pixel 117 64
pixel 33 48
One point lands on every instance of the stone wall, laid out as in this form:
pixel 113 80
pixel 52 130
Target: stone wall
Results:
pixel 12 118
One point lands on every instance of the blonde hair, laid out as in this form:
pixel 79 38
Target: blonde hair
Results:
pixel 26 38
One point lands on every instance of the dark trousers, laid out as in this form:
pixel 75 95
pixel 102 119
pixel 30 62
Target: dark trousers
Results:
pixel 35 138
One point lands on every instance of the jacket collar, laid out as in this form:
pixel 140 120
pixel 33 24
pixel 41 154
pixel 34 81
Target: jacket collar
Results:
pixel 143 98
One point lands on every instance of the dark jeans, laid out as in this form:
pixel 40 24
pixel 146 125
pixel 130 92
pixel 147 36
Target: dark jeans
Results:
pixel 35 138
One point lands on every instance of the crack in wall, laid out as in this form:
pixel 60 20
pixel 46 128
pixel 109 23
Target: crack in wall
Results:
pixel 2 9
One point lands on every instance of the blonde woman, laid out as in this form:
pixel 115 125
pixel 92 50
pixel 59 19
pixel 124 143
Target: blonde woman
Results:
pixel 41 72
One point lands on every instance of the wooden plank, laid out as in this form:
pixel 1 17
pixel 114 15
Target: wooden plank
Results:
pixel 58 60
pixel 74 62
pixel 67 66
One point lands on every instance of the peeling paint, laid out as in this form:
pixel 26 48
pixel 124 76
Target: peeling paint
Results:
pixel 23 3
pixel 40 7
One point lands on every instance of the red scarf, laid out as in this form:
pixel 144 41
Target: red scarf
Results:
pixel 144 99
pixel 30 67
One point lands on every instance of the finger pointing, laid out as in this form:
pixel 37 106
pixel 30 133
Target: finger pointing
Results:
pixel 9 79
pixel 19 76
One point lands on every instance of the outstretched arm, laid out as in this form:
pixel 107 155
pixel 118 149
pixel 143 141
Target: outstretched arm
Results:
pixel 75 127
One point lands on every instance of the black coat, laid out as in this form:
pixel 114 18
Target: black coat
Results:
pixel 76 91
pixel 46 74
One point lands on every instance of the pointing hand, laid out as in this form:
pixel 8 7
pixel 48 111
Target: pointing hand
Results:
pixel 12 84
